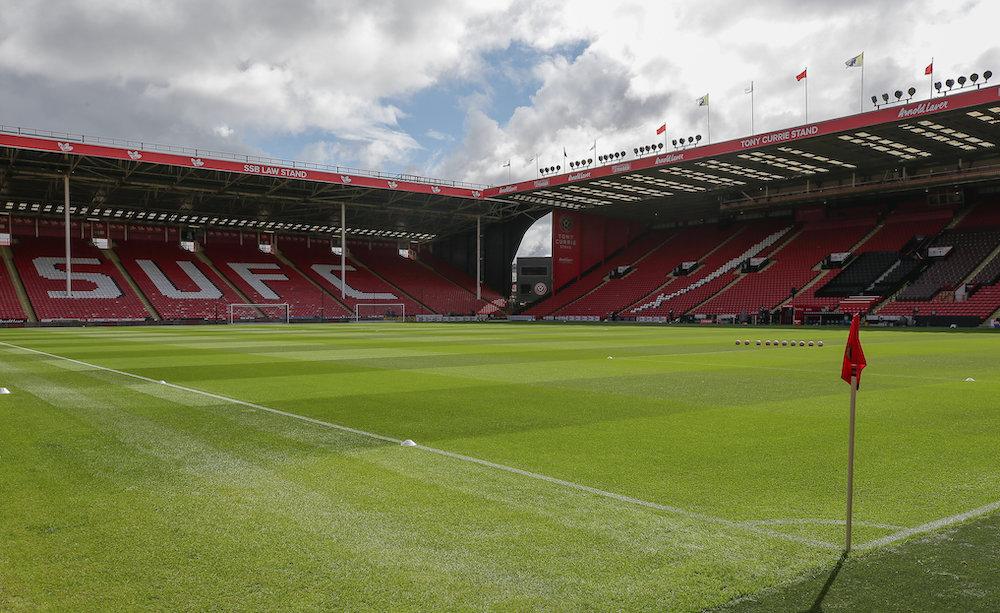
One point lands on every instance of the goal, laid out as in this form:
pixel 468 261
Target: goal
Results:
pixel 380 310
pixel 259 313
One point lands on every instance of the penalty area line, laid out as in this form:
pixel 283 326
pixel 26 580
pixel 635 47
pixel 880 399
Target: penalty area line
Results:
pixel 737 525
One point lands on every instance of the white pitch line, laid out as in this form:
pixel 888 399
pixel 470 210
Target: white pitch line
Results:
pixel 931 526
pixel 457 456
pixel 805 521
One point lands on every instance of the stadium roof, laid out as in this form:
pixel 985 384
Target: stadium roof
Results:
pixel 941 141
pixel 120 179
pixel 944 141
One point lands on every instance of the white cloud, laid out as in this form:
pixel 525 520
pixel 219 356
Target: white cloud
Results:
pixel 216 73
pixel 438 135
pixel 537 241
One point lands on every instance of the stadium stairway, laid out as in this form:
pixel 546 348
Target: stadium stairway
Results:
pixel 689 247
pixel 417 280
pixel 10 310
pixel 113 258
pixel 595 276
pixel 610 294
pixel 495 301
pixel 891 234
pixel 807 294
pixel 400 291
pixel 287 262
pixel 321 266
pixel 756 238
pixel 202 257
pixel 992 261
pixel 100 293
pixel 982 215
pixel 266 279
pixel 738 276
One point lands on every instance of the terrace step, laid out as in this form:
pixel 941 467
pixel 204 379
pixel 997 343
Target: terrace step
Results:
pixel 359 264
pixel 113 258
pixel 284 260
pixel 608 279
pixel 656 291
pixel 986 262
pixel 22 295
pixel 218 273
pixel 740 277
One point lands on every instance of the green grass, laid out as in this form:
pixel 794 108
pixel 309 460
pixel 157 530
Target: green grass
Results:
pixel 124 493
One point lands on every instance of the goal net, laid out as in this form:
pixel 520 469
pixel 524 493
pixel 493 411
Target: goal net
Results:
pixel 383 311
pixel 258 313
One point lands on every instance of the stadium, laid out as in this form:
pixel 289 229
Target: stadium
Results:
pixel 233 381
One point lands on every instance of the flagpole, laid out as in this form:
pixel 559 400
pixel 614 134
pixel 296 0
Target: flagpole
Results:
pixel 861 103
pixel 708 111
pixel 751 109
pixel 931 84
pixel 850 464
pixel 807 94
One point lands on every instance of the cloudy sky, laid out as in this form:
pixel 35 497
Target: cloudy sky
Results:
pixel 454 89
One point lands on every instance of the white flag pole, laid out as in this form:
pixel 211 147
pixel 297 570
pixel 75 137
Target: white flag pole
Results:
pixel 931 84
pixel 861 106
pixel 807 93
pixel 751 108
pixel 850 464
pixel 708 110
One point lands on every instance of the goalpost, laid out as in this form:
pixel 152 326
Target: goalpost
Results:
pixel 379 310
pixel 259 313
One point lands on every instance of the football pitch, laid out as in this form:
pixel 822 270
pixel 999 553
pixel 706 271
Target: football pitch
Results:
pixel 566 467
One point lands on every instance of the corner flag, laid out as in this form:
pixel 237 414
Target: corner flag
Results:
pixel 854 363
pixel 854 355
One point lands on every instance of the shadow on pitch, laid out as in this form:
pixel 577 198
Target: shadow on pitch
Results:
pixel 817 605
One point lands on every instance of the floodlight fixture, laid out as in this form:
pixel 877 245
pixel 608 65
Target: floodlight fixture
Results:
pixel 911 91
pixel 961 81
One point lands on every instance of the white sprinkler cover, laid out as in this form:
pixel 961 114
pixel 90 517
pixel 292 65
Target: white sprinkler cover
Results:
pixel 408 443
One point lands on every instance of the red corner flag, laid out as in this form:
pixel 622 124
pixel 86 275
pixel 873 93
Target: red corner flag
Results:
pixel 661 129
pixel 854 355
pixel 929 69
pixel 801 75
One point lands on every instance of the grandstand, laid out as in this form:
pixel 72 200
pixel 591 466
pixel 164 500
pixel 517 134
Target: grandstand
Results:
pixel 894 213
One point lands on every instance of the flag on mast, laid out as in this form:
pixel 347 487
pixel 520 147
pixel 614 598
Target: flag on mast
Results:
pixel 748 90
pixel 801 75
pixel 661 129
pixel 854 355
pixel 857 61
pixel 929 70
pixel 703 101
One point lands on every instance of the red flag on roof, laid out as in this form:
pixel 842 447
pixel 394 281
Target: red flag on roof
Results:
pixel 801 75
pixel 661 129
pixel 929 69
pixel 854 355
